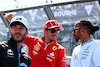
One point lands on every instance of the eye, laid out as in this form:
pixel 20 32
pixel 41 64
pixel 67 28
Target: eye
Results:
pixel 22 28
pixel 13 27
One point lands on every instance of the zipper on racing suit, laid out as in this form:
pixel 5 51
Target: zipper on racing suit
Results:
pixel 18 49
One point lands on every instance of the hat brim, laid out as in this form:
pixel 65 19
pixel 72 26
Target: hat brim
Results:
pixel 17 23
pixel 59 28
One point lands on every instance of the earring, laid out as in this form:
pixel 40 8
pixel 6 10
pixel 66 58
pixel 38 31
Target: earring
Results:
pixel 81 32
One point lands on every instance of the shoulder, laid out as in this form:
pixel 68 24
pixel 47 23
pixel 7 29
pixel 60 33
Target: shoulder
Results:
pixel 3 47
pixel 3 44
pixel 33 38
pixel 77 48
pixel 96 48
pixel 59 46
pixel 95 44
pixel 30 37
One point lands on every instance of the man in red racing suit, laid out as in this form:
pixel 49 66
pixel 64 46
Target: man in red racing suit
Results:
pixel 46 53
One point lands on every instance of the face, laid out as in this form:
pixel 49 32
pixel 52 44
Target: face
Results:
pixel 52 34
pixel 18 32
pixel 76 32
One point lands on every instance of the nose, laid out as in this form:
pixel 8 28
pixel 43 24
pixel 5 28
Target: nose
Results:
pixel 73 33
pixel 17 30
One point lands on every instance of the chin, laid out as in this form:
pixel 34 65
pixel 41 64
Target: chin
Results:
pixel 52 40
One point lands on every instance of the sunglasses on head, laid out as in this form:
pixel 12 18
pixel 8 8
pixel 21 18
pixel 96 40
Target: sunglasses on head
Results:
pixel 53 31
pixel 77 28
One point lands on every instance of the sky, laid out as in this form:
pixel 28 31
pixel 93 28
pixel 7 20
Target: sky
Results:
pixel 9 4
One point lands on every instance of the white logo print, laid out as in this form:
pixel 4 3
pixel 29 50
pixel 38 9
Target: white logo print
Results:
pixel 51 55
pixel 88 9
pixel 10 53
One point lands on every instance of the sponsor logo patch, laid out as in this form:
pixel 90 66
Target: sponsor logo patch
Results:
pixel 37 47
pixel 54 48
pixel 55 22
pixel 75 56
pixel 34 52
pixel 10 53
pixel 48 59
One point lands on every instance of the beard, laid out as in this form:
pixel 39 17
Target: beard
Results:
pixel 76 40
pixel 52 40
pixel 17 38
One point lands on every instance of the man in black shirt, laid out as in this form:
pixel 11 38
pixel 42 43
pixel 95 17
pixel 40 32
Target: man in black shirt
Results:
pixel 11 53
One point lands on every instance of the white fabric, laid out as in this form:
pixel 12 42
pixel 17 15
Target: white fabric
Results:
pixel 20 19
pixel 87 55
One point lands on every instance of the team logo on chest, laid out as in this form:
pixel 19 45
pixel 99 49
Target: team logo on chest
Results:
pixel 54 48
pixel 86 52
pixel 10 53
pixel 37 47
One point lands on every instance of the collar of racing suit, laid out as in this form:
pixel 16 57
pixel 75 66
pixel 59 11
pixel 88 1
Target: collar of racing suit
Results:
pixel 54 42
pixel 12 43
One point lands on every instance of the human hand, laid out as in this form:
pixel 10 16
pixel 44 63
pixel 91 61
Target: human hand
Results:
pixel 9 16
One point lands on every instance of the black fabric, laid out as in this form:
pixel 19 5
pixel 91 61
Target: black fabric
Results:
pixel 9 54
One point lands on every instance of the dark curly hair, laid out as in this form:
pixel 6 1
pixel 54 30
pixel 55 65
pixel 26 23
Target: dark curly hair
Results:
pixel 88 25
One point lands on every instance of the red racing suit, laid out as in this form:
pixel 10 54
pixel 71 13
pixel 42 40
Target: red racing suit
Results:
pixel 50 55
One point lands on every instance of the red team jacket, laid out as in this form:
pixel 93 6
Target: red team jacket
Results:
pixel 51 55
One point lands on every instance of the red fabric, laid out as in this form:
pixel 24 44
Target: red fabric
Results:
pixel 53 24
pixel 52 55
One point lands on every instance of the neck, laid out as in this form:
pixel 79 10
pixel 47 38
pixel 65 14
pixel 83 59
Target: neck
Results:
pixel 85 39
pixel 19 45
pixel 47 40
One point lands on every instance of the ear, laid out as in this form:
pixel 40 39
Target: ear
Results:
pixel 44 31
pixel 9 31
pixel 27 32
pixel 82 30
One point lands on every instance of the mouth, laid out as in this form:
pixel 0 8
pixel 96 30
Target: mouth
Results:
pixel 17 35
pixel 54 35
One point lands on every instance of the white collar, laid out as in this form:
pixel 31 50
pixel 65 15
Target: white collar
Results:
pixel 87 41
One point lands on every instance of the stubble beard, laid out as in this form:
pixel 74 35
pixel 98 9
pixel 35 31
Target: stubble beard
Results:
pixel 19 41
pixel 52 40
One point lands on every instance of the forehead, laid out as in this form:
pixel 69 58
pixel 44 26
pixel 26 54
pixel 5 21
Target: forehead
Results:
pixel 16 24
pixel 19 25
